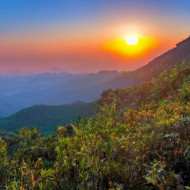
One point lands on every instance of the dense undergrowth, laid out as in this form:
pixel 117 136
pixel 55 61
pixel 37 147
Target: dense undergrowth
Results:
pixel 139 139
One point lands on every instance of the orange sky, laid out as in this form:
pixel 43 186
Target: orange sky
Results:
pixel 94 42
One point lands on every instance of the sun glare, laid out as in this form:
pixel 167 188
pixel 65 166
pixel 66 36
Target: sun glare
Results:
pixel 131 46
pixel 132 40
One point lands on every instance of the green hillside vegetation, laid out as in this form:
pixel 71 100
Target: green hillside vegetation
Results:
pixel 138 140
pixel 47 118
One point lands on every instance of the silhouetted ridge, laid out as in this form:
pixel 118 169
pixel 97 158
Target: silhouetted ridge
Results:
pixel 183 42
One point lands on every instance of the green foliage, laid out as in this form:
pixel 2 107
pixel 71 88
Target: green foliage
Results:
pixel 158 176
pixel 3 161
pixel 139 139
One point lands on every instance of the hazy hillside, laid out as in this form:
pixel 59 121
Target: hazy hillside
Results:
pixel 53 89
pixel 47 118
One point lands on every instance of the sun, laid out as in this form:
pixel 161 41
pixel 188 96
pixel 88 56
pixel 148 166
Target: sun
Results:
pixel 132 40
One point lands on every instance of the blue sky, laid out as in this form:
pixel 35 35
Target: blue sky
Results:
pixel 28 14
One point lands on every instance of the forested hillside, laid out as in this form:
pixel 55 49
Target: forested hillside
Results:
pixel 139 140
pixel 47 118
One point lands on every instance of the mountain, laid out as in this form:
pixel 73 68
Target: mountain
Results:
pixel 47 118
pixel 86 88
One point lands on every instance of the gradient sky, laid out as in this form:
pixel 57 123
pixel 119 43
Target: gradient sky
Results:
pixel 86 35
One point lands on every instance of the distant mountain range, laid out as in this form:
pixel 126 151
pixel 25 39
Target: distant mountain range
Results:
pixel 18 92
